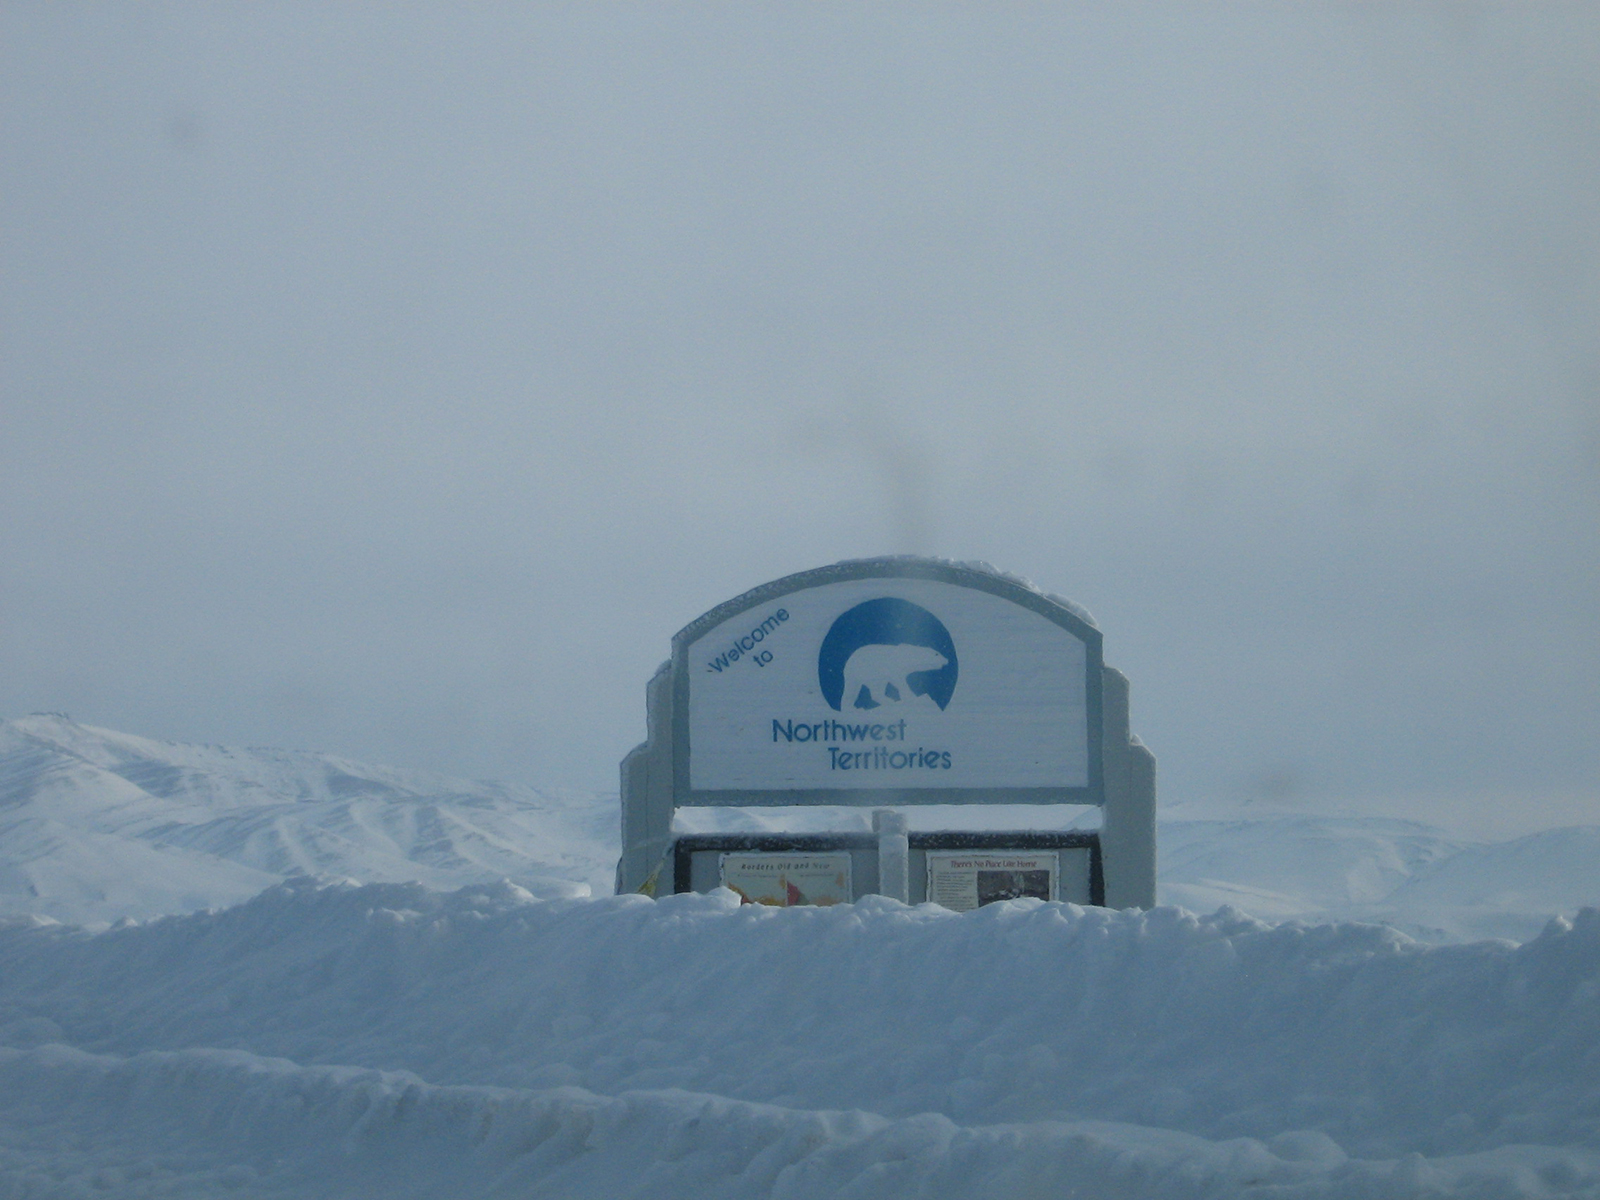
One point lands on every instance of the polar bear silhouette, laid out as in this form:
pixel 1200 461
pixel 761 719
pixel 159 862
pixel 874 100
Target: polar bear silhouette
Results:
pixel 876 675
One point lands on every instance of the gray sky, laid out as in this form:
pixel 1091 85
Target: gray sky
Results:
pixel 395 382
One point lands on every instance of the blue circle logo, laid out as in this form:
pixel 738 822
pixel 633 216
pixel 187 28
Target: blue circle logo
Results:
pixel 889 654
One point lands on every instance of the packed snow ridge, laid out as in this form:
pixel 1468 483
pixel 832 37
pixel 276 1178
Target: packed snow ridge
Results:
pixel 415 1038
pixel 483 1042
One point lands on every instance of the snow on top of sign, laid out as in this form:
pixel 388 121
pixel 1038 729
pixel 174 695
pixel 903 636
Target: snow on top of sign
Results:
pixel 1072 606
pixel 920 818
pixel 985 568
pixel 713 616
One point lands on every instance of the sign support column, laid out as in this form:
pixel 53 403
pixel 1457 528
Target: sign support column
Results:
pixel 894 854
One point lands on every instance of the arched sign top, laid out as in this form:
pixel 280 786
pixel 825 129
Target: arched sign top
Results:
pixel 889 680
pixel 901 566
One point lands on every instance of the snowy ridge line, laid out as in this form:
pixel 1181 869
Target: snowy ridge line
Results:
pixel 1217 1026
pixel 97 825
pixel 1428 883
pixel 209 1120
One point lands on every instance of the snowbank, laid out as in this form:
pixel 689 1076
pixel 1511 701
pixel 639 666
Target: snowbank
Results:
pixel 208 1122
pixel 1219 1027
pixel 403 1039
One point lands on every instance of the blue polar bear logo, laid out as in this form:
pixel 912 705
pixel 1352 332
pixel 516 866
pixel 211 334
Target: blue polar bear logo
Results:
pixel 887 652
pixel 879 674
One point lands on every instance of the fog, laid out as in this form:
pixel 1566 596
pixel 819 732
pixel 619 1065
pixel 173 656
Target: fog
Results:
pixel 395 382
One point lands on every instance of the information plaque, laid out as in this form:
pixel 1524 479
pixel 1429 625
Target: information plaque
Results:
pixel 963 880
pixel 786 880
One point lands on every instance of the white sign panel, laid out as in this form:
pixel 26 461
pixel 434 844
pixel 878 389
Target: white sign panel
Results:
pixel 785 880
pixel 888 683
pixel 964 880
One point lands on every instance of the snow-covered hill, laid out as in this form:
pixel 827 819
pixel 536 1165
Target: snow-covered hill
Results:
pixel 97 825
pixel 1433 885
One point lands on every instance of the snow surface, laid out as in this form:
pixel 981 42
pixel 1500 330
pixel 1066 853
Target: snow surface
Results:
pixel 427 1027
pixel 97 825
pixel 829 818
pixel 484 1042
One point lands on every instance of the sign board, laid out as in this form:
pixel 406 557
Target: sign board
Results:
pixel 890 682
pixel 938 690
pixel 787 880
pixel 964 880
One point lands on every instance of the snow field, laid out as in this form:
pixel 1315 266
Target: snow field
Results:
pixel 97 825
pixel 205 1123
pixel 1431 884
pixel 436 1030
pixel 1207 1041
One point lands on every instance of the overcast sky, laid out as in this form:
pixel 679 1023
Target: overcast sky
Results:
pixel 396 382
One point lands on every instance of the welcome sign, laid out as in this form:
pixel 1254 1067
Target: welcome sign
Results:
pixel 936 682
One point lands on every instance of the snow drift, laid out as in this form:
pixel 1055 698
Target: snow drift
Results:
pixel 357 1133
pixel 400 1034
pixel 1187 1033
